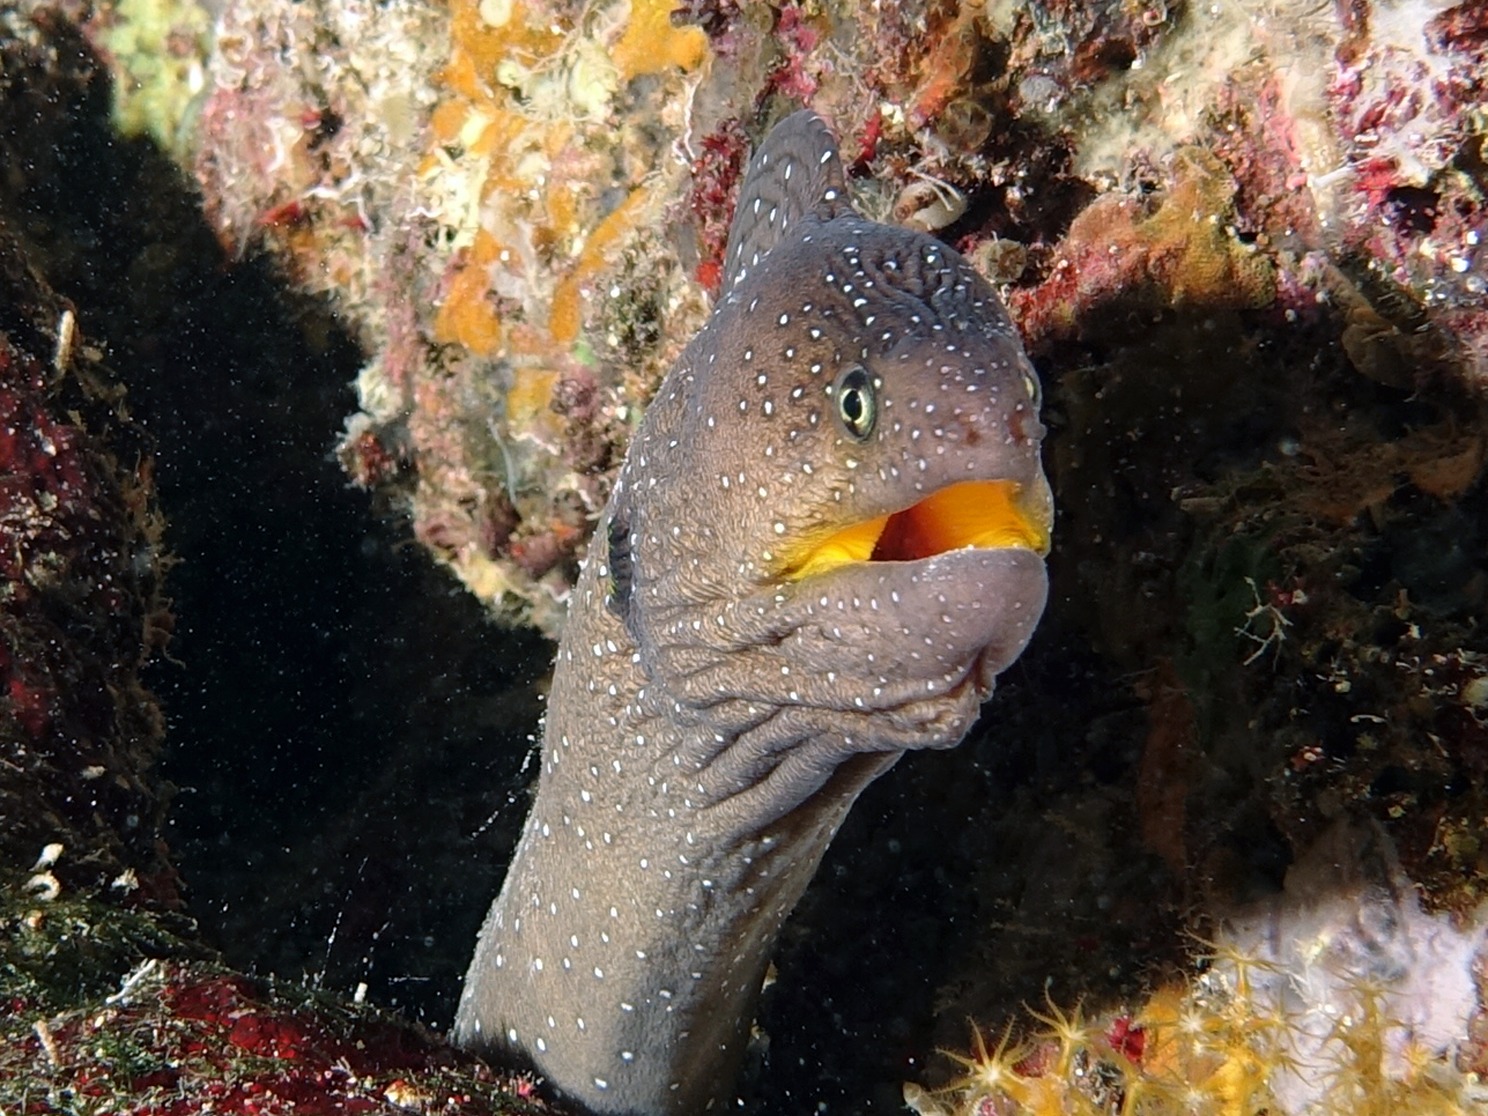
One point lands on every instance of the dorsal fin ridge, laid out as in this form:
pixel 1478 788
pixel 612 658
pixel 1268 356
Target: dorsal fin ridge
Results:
pixel 795 172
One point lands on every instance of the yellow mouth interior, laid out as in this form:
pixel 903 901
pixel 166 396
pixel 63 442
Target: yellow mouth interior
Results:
pixel 982 514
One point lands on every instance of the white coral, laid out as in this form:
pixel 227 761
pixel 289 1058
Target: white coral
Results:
pixel 1348 958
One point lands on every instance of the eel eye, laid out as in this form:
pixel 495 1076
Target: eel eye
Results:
pixel 1031 385
pixel 857 403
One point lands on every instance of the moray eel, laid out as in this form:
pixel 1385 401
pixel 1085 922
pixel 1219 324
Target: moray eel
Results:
pixel 825 542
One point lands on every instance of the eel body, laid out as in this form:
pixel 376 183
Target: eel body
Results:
pixel 826 541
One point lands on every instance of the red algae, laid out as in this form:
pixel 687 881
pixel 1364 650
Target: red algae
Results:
pixel 184 1038
pixel 80 613
pixel 715 188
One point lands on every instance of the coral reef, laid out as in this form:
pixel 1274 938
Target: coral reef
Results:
pixel 1183 253
pixel 1340 994
pixel 159 51
pixel 469 183
pixel 1351 140
pixel 80 611
pixel 539 161
pixel 465 191
pixel 179 1037
pixel 1245 244
pixel 1269 470
pixel 109 1000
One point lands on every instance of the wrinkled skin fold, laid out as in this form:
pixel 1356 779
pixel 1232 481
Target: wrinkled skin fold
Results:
pixel 824 544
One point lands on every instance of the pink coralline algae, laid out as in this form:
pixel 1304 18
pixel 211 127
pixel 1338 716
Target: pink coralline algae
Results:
pixel 1353 143
pixel 1408 100
pixel 1153 255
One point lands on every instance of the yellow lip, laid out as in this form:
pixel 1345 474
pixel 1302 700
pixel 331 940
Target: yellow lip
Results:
pixel 988 515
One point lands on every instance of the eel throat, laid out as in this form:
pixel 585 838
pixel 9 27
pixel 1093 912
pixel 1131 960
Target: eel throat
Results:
pixel 988 515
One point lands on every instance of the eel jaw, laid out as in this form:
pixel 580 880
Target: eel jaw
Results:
pixel 978 514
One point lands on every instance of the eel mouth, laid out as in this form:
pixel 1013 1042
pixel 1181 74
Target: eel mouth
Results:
pixel 983 515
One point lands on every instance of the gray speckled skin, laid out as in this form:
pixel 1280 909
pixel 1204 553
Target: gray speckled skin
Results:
pixel 708 730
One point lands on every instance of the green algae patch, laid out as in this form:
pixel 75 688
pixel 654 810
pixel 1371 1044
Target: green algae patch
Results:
pixel 160 48
pixel 64 953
